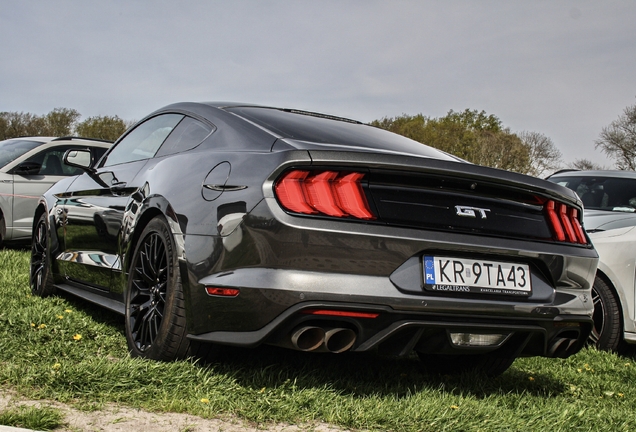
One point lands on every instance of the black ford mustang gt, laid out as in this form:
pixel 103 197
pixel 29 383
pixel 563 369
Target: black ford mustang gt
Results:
pixel 219 223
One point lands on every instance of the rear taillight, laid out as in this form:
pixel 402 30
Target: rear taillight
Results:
pixel 564 223
pixel 330 193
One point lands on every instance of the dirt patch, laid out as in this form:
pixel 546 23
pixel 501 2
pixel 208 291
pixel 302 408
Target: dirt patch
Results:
pixel 114 418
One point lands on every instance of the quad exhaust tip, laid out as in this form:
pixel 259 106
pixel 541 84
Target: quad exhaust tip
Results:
pixel 313 338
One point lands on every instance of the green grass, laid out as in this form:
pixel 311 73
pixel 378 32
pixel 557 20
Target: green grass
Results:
pixel 41 419
pixel 43 357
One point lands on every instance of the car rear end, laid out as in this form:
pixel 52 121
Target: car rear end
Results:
pixel 366 250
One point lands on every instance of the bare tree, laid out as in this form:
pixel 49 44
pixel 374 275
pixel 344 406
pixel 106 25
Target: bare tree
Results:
pixel 618 140
pixel 503 150
pixel 586 165
pixel 545 157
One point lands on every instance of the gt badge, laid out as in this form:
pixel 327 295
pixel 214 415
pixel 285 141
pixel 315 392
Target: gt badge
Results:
pixel 472 212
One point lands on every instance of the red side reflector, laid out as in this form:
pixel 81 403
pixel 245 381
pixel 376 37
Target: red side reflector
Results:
pixel 339 313
pixel 222 292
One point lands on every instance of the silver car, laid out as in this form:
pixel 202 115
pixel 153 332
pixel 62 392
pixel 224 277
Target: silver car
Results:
pixel 29 166
pixel 609 198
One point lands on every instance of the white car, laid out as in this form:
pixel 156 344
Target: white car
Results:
pixel 609 198
pixel 29 166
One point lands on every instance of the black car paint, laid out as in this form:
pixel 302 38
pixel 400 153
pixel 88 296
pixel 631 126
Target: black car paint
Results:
pixel 285 263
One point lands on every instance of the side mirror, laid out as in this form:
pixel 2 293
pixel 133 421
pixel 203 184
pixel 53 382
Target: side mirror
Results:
pixel 27 168
pixel 79 158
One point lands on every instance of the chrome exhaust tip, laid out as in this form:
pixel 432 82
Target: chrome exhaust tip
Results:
pixel 308 338
pixel 339 340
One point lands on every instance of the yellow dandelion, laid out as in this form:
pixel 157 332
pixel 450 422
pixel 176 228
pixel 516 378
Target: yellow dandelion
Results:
pixel 454 407
pixel 621 395
pixel 77 337
pixel 68 310
pixel 32 324
pixel 627 364
pixel 262 390
pixel 60 317
pixel 531 378
pixel 205 400
pixel 42 326
pixel 580 370
pixel 57 366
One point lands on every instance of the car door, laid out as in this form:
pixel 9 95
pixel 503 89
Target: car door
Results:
pixel 30 182
pixel 93 209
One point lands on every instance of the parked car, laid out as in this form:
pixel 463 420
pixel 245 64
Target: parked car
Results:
pixel 218 223
pixel 610 205
pixel 28 167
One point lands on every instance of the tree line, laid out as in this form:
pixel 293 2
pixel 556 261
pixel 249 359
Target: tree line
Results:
pixel 479 138
pixel 61 122
pixel 475 136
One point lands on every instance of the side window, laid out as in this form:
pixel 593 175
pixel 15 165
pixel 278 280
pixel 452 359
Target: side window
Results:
pixel 51 161
pixel 98 152
pixel 187 135
pixel 143 141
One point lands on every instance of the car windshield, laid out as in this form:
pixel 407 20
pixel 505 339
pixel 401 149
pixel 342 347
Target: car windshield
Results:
pixel 602 193
pixel 12 149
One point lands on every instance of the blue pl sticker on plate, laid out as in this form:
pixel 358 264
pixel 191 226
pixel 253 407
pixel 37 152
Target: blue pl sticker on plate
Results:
pixel 429 270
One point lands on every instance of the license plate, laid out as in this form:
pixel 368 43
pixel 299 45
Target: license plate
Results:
pixel 447 274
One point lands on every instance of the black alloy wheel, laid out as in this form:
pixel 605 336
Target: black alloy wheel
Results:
pixel 606 333
pixel 40 277
pixel 3 229
pixel 155 311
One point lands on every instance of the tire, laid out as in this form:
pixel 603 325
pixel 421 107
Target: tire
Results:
pixel 3 229
pixel 607 330
pixel 488 364
pixel 40 277
pixel 155 307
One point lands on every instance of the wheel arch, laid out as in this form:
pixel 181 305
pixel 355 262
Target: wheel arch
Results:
pixel 624 311
pixel 131 243
pixel 36 216
pixel 149 209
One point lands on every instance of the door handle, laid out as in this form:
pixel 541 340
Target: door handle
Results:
pixel 118 186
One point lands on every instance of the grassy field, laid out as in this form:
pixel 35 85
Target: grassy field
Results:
pixel 63 349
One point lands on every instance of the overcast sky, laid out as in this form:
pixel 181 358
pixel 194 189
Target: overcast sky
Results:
pixel 562 68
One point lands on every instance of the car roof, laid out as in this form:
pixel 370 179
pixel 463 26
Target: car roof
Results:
pixel 595 173
pixel 64 139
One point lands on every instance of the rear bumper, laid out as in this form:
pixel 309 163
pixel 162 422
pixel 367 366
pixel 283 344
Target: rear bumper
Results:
pixel 398 333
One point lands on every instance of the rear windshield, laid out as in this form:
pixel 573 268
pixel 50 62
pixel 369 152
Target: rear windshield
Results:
pixel 12 149
pixel 301 126
pixel 602 193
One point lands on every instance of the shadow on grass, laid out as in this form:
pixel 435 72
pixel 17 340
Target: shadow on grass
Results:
pixel 355 374
pixel 365 374
pixel 95 312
